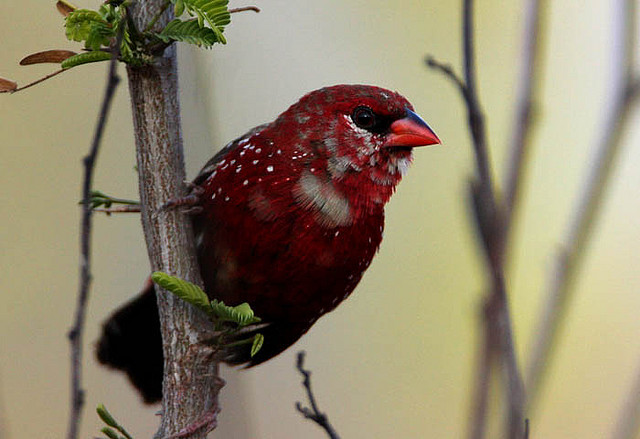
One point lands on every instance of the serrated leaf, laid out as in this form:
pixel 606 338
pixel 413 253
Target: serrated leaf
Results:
pixel 77 24
pixel 186 291
pixel 47 56
pixel 258 341
pixel 7 85
pixel 85 58
pixel 242 314
pixel 189 32
pixel 214 12
pixel 85 25
pixel 106 416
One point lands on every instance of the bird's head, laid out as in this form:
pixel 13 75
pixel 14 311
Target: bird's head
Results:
pixel 359 137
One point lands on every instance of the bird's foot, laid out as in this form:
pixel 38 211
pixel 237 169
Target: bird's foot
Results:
pixel 189 204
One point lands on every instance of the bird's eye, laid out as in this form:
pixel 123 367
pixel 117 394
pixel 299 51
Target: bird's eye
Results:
pixel 364 117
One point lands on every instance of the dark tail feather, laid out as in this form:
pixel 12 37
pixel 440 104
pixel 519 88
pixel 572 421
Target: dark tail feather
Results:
pixel 131 342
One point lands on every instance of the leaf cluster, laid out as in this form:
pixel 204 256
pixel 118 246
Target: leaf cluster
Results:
pixel 98 30
pixel 228 320
pixel 110 30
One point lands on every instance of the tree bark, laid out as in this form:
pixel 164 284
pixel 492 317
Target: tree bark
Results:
pixel 191 383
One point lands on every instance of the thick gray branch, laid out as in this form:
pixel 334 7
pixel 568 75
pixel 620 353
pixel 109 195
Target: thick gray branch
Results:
pixel 191 383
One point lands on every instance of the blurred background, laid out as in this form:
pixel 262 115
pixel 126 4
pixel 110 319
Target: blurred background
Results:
pixel 398 358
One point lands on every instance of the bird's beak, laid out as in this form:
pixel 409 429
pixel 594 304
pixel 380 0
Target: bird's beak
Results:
pixel 411 131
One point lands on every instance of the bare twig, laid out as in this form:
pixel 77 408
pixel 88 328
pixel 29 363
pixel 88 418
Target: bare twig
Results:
pixel 628 424
pixel 38 81
pixel 118 209
pixel 475 115
pixel 314 412
pixel 243 9
pixel 528 85
pixel 571 255
pixel 76 332
pixel 489 220
pixel 486 354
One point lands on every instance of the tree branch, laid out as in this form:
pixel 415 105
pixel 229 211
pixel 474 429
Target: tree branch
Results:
pixel 489 219
pixel 628 423
pixel 191 383
pixel 571 255
pixel 314 412
pixel 525 106
pixel 76 332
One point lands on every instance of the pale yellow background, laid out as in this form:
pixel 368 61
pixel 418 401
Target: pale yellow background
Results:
pixel 397 359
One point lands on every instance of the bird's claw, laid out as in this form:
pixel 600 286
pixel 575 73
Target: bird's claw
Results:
pixel 189 204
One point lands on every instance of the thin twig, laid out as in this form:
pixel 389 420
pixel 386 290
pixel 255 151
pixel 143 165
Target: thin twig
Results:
pixel 489 220
pixel 476 117
pixel 529 81
pixel 628 423
pixel 245 8
pixel 118 209
pixel 314 412
pixel 479 410
pixel 38 81
pixel 589 205
pixel 76 332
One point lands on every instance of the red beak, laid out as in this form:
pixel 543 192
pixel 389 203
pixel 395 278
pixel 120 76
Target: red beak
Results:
pixel 411 131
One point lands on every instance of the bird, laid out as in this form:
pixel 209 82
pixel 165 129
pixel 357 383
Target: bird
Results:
pixel 290 215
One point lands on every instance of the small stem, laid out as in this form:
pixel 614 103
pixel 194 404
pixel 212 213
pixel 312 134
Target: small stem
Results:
pixel 245 8
pixel 314 412
pixel 118 209
pixel 38 81
pixel 589 206
pixel 525 107
pixel 76 332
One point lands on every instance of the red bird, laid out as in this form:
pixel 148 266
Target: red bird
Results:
pixel 291 216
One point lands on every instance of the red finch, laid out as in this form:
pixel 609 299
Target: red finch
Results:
pixel 291 216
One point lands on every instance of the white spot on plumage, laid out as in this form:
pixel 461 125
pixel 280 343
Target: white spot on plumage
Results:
pixel 255 162
pixel 258 151
pixel 246 182
pixel 226 198
pixel 269 168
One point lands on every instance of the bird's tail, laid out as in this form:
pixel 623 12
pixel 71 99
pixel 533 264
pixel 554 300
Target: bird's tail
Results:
pixel 131 342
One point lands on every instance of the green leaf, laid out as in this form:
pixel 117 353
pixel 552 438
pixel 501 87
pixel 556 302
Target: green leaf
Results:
pixel 242 314
pixel 90 27
pixel 178 8
pixel 85 58
pixel 258 340
pixel 106 416
pixel 189 32
pixel 110 433
pixel 185 290
pixel 214 12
